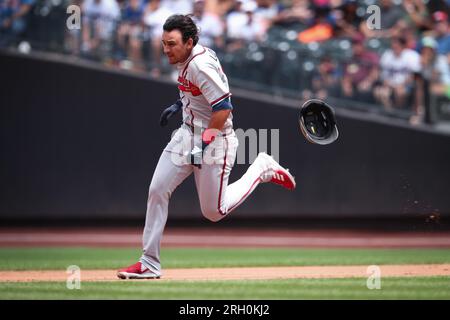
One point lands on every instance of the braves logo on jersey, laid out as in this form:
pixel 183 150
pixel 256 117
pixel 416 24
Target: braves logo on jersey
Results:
pixel 187 86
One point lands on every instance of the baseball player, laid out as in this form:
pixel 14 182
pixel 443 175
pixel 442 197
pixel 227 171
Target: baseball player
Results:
pixel 205 145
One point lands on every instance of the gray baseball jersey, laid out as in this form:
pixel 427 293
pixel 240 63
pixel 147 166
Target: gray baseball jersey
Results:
pixel 202 84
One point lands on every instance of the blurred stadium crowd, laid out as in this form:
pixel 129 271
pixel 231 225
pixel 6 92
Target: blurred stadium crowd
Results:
pixel 293 48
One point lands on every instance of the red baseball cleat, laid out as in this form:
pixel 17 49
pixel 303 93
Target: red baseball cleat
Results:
pixel 276 173
pixel 137 271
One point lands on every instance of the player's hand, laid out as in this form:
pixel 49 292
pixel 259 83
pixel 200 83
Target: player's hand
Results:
pixel 169 112
pixel 196 155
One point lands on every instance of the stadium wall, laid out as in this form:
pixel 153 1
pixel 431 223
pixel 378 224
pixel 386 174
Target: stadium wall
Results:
pixel 80 142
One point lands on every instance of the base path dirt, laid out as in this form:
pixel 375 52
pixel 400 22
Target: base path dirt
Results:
pixel 253 273
pixel 235 238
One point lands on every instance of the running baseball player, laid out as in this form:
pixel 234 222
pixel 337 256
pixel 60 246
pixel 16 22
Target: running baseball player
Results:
pixel 205 145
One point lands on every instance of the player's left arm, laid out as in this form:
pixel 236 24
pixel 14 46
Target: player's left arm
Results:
pixel 218 119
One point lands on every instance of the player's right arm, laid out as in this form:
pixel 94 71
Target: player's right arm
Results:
pixel 169 112
pixel 212 84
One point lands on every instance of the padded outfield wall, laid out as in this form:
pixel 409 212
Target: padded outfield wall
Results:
pixel 80 142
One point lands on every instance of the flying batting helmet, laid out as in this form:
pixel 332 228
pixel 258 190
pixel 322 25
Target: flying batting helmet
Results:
pixel 318 122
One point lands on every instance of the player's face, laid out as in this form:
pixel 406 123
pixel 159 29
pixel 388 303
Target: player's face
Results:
pixel 174 48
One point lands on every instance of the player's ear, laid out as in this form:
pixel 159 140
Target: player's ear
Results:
pixel 190 43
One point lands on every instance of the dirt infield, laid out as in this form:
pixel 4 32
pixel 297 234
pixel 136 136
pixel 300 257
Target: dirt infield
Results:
pixel 255 273
pixel 201 237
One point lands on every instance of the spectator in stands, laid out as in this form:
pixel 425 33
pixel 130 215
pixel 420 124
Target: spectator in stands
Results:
pixel 155 14
pixel 434 66
pixel 178 6
pixel 129 33
pixel 391 21
pixel 398 66
pixel 410 34
pixel 418 14
pixel 438 5
pixel 300 13
pixel 243 25
pixel 220 7
pixel 325 81
pixel 13 14
pixel 268 11
pixel 417 20
pixel 441 32
pixel 435 77
pixel 347 19
pixel 435 73
pixel 361 72
pixel 321 28
pixel 442 86
pixel 100 18
pixel 210 25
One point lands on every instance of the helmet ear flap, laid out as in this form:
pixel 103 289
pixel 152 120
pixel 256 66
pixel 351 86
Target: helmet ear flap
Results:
pixel 305 131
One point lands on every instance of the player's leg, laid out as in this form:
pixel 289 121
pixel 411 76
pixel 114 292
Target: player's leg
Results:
pixel 212 179
pixel 236 193
pixel 167 177
pixel 217 198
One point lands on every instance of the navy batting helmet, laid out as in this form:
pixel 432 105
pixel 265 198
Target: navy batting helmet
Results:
pixel 318 122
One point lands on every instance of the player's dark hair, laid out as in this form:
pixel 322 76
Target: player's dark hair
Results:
pixel 184 24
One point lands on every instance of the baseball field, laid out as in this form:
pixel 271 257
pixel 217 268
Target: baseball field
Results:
pixel 227 264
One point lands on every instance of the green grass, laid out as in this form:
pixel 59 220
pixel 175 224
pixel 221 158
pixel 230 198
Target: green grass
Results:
pixel 109 258
pixel 354 288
